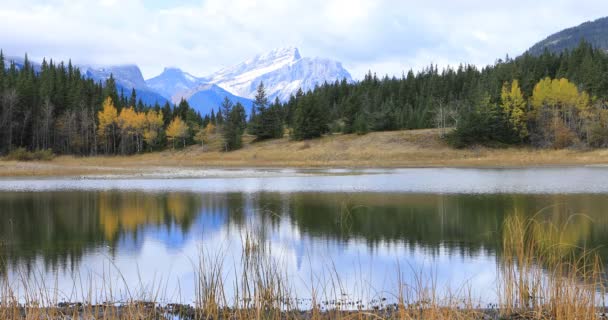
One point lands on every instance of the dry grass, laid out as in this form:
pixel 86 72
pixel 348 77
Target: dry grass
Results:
pixel 538 279
pixel 414 148
pixel 543 277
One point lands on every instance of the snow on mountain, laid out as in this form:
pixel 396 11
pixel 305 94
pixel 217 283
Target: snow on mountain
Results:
pixel 20 62
pixel 283 72
pixel 173 81
pixel 127 77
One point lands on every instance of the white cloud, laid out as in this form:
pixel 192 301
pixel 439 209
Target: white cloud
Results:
pixel 201 36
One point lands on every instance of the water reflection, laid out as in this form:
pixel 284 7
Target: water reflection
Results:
pixel 152 233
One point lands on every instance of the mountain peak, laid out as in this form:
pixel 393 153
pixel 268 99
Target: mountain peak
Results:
pixel 171 81
pixel 283 72
pixel 172 70
pixel 126 75
pixel 291 53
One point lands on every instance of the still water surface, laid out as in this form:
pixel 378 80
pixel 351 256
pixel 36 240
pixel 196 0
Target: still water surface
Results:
pixel 366 225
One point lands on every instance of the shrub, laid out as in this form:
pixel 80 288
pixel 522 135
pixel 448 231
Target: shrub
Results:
pixel 44 155
pixel 21 154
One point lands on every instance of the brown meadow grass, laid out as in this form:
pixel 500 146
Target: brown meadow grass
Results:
pixel 408 148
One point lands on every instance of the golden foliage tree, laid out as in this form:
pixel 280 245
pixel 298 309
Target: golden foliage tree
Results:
pixel 131 124
pixel 177 129
pixel 108 122
pixel 514 105
pixel 560 110
pixel 558 93
pixel 154 122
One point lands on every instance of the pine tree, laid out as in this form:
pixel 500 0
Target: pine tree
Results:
pixel 133 98
pixel 226 106
pixel 308 120
pixel 109 90
pixel 267 121
pixel 167 113
pixel 234 126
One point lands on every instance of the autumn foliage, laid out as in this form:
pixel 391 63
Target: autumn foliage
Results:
pixel 177 131
pixel 128 130
pixel 557 115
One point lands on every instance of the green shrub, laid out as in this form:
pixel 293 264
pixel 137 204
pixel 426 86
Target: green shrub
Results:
pixel 44 155
pixel 21 154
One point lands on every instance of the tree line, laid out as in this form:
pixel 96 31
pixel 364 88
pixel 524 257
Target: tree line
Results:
pixel 547 100
pixel 53 106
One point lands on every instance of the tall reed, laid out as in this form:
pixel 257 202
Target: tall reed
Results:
pixel 540 276
pixel 543 277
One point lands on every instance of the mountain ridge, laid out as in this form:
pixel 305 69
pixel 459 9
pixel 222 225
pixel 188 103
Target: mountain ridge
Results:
pixel 594 32
pixel 283 71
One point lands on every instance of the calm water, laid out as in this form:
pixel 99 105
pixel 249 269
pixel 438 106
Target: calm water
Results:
pixel 365 224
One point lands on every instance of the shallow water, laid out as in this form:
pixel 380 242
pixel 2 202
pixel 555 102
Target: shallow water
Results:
pixel 361 227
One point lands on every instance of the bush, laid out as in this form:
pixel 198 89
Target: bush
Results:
pixel 21 154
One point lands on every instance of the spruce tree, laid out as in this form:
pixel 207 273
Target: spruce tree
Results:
pixel 267 123
pixel 308 122
pixel 133 98
pixel 234 125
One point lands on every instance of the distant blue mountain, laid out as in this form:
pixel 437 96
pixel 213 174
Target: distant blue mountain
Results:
pixel 173 81
pixel 19 62
pixel 209 97
pixel 127 77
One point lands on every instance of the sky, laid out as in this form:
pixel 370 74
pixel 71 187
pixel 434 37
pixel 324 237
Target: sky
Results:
pixel 203 36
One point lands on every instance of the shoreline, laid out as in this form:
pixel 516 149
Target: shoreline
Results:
pixel 377 150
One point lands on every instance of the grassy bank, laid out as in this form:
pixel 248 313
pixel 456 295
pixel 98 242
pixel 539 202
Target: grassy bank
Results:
pixel 538 278
pixel 414 148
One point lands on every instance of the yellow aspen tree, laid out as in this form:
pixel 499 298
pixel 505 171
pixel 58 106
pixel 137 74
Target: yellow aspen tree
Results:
pixel 108 121
pixel 540 94
pixel 210 129
pixel 153 123
pixel 139 127
pixel 561 108
pixel 514 105
pixel 126 121
pixel 177 129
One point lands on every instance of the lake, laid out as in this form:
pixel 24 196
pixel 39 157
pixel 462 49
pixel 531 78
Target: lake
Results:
pixel 366 229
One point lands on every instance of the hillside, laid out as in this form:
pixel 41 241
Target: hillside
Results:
pixel 594 32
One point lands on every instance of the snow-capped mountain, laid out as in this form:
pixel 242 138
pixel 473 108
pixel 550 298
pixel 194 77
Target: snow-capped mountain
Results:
pixel 127 77
pixel 173 81
pixel 283 72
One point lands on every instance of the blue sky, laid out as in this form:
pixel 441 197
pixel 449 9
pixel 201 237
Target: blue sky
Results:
pixel 202 36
